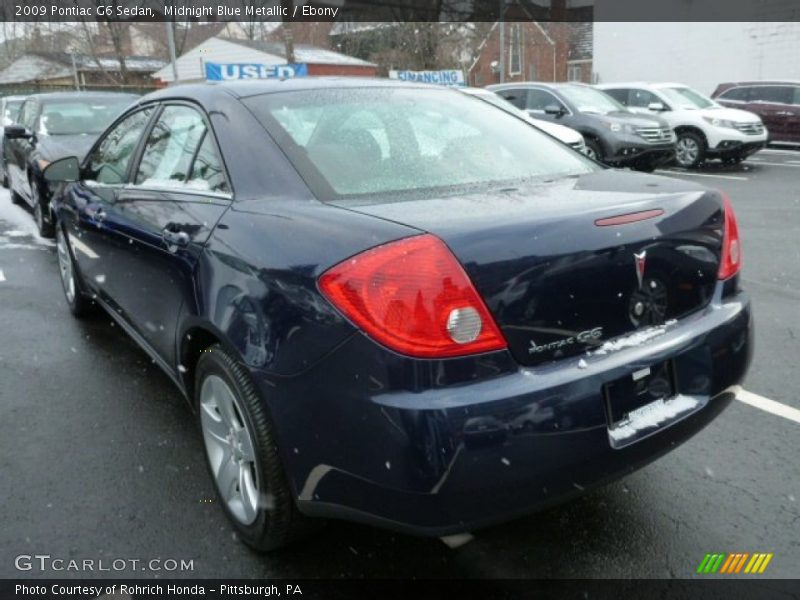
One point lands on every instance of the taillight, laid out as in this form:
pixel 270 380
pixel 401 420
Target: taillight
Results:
pixel 414 297
pixel 731 246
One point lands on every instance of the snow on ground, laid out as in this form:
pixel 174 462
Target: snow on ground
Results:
pixel 17 227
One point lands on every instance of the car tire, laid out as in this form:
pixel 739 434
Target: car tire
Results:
pixel 79 303
pixel 690 149
pixel 242 455
pixel 593 150
pixel 46 230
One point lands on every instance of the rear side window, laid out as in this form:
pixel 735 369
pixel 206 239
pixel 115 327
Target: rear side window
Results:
pixel 108 164
pixel 774 94
pixel 180 153
pixel 518 98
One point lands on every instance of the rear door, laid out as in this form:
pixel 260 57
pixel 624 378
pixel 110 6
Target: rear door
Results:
pixel 774 104
pixel 178 192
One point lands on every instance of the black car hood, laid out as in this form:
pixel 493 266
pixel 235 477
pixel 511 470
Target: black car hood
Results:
pixel 53 147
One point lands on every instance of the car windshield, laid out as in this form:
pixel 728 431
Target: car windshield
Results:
pixel 590 100
pixel 11 111
pixel 687 98
pixel 365 141
pixel 70 117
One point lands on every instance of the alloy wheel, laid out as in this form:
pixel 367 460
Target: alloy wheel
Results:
pixel 65 266
pixel 230 448
pixel 686 151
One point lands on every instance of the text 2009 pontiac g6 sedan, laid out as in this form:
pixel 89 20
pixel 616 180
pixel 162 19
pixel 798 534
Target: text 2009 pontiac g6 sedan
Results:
pixel 393 304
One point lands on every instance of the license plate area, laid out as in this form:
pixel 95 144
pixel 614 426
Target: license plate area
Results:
pixel 645 386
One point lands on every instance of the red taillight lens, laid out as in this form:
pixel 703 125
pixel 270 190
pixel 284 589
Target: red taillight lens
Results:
pixel 413 296
pixel 731 246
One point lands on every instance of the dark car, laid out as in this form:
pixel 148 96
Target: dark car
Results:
pixel 9 109
pixel 49 127
pixel 613 134
pixel 776 102
pixel 361 285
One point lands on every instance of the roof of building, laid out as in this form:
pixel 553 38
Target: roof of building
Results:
pixel 39 66
pixel 581 41
pixel 303 53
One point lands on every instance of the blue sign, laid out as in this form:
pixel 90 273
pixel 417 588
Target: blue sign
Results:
pixel 233 71
pixel 445 77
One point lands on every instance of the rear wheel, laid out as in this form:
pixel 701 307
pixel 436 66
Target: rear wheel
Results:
pixel 41 213
pixel 690 149
pixel 79 303
pixel 242 455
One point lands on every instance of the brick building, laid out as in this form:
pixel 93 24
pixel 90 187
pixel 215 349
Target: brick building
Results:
pixel 535 51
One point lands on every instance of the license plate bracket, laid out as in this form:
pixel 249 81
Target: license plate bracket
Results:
pixel 644 386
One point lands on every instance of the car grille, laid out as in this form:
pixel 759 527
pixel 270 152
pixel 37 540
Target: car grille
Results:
pixel 752 128
pixel 655 134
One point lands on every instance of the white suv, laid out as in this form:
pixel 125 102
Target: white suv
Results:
pixel 704 128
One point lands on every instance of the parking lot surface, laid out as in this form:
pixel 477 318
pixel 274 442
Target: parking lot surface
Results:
pixel 100 456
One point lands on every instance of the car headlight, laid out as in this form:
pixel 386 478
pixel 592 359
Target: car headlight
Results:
pixel 719 122
pixel 617 127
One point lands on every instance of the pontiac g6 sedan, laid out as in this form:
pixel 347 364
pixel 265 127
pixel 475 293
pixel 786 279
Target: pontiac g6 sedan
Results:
pixel 389 303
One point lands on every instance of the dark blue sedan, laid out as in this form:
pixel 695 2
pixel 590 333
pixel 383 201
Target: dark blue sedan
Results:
pixel 396 304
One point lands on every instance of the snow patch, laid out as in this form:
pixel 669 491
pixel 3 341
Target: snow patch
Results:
pixel 20 220
pixel 635 339
pixel 457 540
pixel 652 415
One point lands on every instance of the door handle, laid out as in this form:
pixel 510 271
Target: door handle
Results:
pixel 97 214
pixel 174 239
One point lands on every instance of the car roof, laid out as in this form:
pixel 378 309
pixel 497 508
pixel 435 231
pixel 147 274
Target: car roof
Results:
pixel 257 87
pixel 645 84
pixel 554 85
pixel 762 82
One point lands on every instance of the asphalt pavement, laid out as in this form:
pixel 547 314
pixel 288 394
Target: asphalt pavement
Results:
pixel 100 457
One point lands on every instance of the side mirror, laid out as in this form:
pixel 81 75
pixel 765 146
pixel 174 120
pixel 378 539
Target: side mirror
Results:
pixel 16 132
pixel 656 106
pixel 63 170
pixel 553 109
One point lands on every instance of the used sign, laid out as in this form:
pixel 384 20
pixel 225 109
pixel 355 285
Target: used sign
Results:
pixel 232 71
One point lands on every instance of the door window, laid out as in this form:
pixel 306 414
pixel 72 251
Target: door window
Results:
pixel 517 97
pixel 108 164
pixel 538 100
pixel 773 94
pixel 27 115
pixel 642 99
pixel 737 94
pixel 180 153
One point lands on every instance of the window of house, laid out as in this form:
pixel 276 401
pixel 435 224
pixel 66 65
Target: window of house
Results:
pixel 574 73
pixel 515 51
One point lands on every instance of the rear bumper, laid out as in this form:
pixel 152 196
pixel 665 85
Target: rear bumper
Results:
pixel 440 447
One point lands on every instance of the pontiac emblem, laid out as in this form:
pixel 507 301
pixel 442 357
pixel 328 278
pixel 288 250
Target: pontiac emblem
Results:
pixel 640 263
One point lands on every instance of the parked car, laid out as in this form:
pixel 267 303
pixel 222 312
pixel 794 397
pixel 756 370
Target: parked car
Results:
pixel 9 109
pixel 776 102
pixel 350 278
pixel 613 134
pixel 52 126
pixel 563 134
pixel 704 129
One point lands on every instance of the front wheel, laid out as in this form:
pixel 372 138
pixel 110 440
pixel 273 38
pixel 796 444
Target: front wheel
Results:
pixel 593 150
pixel 690 150
pixel 79 303
pixel 242 455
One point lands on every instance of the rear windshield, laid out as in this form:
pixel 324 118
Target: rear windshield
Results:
pixel 80 116
pixel 359 142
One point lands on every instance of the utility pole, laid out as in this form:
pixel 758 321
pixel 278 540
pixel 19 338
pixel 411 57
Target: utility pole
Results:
pixel 502 42
pixel 171 44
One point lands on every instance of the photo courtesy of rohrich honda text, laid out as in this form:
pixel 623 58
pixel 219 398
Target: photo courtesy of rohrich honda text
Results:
pixel 497 291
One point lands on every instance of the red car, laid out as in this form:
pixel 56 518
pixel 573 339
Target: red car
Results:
pixel 776 102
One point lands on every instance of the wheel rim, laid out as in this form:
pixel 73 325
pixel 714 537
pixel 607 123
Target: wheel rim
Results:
pixel 687 150
pixel 230 449
pixel 590 152
pixel 65 266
